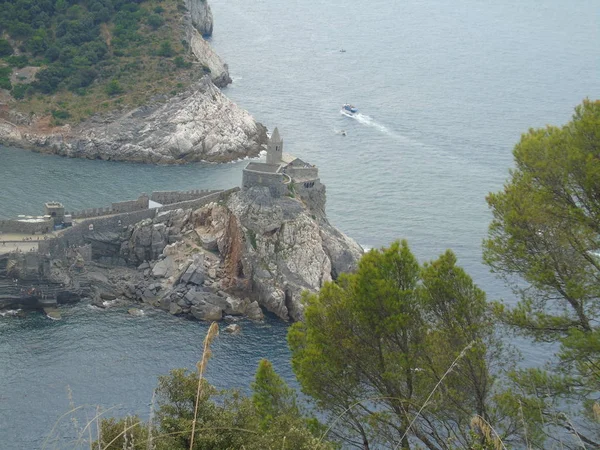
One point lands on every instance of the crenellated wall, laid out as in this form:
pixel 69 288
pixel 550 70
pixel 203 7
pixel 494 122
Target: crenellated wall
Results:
pixel 119 207
pixel 169 197
pixel 81 233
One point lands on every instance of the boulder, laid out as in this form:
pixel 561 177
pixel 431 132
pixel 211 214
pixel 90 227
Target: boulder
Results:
pixel 194 274
pixel 135 312
pixel 208 242
pixel 235 306
pixel 253 312
pixel 201 16
pixel 164 268
pixel 234 328
pixel 175 309
pixel 206 312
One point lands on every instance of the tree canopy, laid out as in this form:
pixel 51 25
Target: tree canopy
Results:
pixel 545 240
pixel 269 419
pixel 400 354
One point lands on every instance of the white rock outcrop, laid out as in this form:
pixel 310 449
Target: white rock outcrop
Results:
pixel 200 124
pixel 276 248
pixel 201 16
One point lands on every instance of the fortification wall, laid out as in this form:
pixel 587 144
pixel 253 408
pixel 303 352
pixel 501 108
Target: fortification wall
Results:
pixel 302 173
pixel 76 235
pixel 274 181
pixel 170 197
pixel 131 205
pixel 17 226
pixel 199 202
pixel 116 208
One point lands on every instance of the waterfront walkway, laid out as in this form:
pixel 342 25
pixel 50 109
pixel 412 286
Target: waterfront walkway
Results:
pixel 14 242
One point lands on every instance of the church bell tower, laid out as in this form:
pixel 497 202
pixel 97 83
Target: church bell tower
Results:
pixel 274 148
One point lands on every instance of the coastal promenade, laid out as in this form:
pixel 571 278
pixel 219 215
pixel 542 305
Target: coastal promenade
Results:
pixel 15 242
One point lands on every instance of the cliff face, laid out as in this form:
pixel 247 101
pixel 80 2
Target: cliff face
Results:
pixel 249 250
pixel 276 248
pixel 200 124
pixel 201 16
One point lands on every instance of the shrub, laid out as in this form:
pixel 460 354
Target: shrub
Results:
pixel 5 48
pixel 19 91
pixel 5 84
pixel 155 21
pixel 17 61
pixel 114 88
pixel 165 49
pixel 60 114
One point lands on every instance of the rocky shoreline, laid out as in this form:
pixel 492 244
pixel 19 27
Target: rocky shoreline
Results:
pixel 199 124
pixel 237 257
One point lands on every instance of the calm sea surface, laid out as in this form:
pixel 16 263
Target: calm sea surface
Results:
pixel 444 91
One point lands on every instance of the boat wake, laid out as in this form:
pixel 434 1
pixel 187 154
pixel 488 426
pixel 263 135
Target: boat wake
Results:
pixel 369 121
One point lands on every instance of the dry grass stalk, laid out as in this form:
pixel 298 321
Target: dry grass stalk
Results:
pixel 213 332
pixel 524 424
pixel 452 366
pixel 484 427
pixel 596 411
pixel 150 444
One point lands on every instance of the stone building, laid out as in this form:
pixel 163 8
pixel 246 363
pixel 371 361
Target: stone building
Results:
pixel 284 174
pixel 56 210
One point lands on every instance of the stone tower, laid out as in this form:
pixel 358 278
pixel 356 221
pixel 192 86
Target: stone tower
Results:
pixel 274 148
pixel 56 210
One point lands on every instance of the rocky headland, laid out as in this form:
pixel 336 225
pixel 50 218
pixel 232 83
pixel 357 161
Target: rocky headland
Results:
pixel 198 124
pixel 241 255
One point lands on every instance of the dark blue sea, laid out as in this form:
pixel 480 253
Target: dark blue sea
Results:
pixel 444 91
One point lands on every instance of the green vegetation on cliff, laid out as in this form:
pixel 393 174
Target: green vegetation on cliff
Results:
pixel 81 57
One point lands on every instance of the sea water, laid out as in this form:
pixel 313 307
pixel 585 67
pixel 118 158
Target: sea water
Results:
pixel 444 91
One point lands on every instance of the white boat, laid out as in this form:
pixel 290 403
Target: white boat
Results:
pixel 349 109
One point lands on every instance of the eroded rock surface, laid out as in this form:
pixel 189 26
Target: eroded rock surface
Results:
pixel 200 124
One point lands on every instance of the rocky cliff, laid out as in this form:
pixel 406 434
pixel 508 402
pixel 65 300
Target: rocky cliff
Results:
pixel 275 247
pixel 200 124
pixel 200 16
pixel 248 251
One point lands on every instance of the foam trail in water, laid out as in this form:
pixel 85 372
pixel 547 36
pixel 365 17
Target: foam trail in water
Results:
pixel 369 121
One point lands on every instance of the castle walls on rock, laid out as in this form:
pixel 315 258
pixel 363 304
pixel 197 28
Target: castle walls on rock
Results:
pixel 86 230
pixel 169 197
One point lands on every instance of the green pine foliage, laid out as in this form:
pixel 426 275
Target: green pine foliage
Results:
pixel 79 47
pixel 401 355
pixel 545 240
pixel 269 419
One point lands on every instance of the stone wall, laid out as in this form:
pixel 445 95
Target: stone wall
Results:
pixel 274 181
pixel 20 227
pixel 302 173
pixel 169 197
pixel 119 207
pixel 131 205
pixel 199 202
pixel 76 236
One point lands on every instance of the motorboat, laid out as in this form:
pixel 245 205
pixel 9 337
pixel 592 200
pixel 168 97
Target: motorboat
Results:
pixel 349 109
